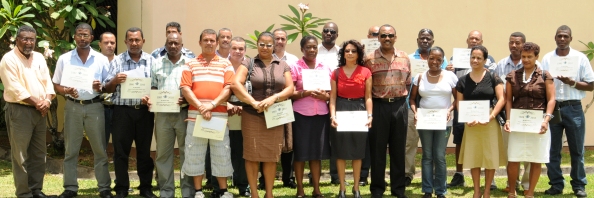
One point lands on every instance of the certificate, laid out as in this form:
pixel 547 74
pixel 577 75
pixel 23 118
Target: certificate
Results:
pixel 461 58
pixel 524 120
pixel 135 88
pixel 77 77
pixel 164 101
pixel 279 113
pixel 351 121
pixel 213 129
pixel 564 66
pixel 432 119
pixel 472 110
pixel 314 79
pixel 234 122
pixel 418 66
pixel 370 45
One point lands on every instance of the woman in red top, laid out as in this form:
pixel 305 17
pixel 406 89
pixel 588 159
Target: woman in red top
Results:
pixel 351 91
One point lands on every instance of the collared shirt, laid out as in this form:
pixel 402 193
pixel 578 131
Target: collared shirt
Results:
pixel 96 62
pixel 564 91
pixel 506 65
pixel 206 80
pixel 328 57
pixel 287 57
pixel 166 75
pixel 124 63
pixel 390 77
pixel 162 51
pixel 107 96
pixel 417 56
pixel 25 78
pixel 308 106
pixel 228 56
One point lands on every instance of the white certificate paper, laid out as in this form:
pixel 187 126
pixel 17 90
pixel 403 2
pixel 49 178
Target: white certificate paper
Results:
pixel 418 66
pixel 213 129
pixel 279 113
pixel 461 58
pixel 77 77
pixel 472 110
pixel 351 121
pixel 314 79
pixel 234 122
pixel 564 66
pixel 135 88
pixel 432 119
pixel 370 45
pixel 164 101
pixel 524 120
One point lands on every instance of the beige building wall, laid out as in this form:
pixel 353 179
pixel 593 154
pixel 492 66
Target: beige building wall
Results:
pixel 451 21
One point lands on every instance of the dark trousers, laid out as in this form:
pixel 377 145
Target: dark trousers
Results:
pixel 132 125
pixel 108 123
pixel 389 124
pixel 239 174
pixel 366 164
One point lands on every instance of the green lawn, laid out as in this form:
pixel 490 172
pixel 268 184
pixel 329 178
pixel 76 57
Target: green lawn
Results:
pixel 88 188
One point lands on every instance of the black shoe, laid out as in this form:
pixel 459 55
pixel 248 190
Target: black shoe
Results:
pixel 245 194
pixel 39 195
pixel 457 180
pixel 261 186
pixel 215 194
pixel 335 181
pixel 493 185
pixel 580 193
pixel 208 185
pixel 310 179
pixel 427 195
pixel 407 181
pixel 121 194
pixel 356 193
pixel 553 191
pixel 291 183
pixel 105 194
pixel 147 193
pixel 68 194
pixel 399 195
pixel 341 194
pixel 441 196
pixel 377 195
pixel 363 182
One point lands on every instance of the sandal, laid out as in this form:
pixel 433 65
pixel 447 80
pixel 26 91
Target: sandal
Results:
pixel 512 195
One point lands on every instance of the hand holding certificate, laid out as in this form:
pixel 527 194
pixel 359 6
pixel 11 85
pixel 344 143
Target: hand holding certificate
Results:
pixel 370 45
pixel 351 121
pixel 524 120
pixel 432 119
pixel 564 66
pixel 213 129
pixel 135 88
pixel 473 110
pixel 164 101
pixel 77 77
pixel 279 113
pixel 461 58
pixel 418 66
pixel 314 79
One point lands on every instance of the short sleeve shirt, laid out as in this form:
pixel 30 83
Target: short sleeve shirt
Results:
pixel 531 95
pixel 353 86
pixel 483 90
pixel 390 78
pixel 267 81
pixel 308 106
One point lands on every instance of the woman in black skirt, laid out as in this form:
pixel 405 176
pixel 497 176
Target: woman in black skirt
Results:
pixel 311 128
pixel 351 91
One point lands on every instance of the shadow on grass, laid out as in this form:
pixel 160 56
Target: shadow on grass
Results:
pixel 5 168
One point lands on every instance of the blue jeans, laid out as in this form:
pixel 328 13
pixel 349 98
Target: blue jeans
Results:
pixel 575 127
pixel 434 144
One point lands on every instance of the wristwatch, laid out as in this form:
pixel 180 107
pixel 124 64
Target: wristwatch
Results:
pixel 574 84
pixel 550 115
pixel 369 115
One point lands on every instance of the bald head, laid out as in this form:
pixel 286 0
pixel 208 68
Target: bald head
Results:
pixel 329 34
pixel 173 45
pixel 475 38
pixel 373 32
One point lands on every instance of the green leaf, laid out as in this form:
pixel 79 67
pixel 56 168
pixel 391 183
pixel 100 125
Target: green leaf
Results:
pixel 590 57
pixel 91 9
pixel 6 6
pixel 292 37
pixel 269 29
pixel 308 15
pixel 106 20
pixel 36 6
pixel 289 27
pixel 316 34
pixel 41 43
pixel 289 19
pixel 27 16
pixel 23 11
pixel 68 8
pixel 319 21
pixel 255 38
pixel 42 33
pixel 55 15
pixel 309 26
pixel 3 30
pixel 295 11
pixel 81 14
pixel 591 45
pixel 27 23
pixel 17 9
pixel 256 33
pixel 37 23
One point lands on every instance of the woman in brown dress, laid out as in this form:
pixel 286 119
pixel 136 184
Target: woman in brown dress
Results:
pixel 271 82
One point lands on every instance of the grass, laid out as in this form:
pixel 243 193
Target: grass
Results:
pixel 88 188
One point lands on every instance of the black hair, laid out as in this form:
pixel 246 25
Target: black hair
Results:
pixel 519 34
pixel 209 31
pixel 104 33
pixel 174 24
pixel 307 38
pixel 135 29
pixel 564 28
pixel 481 48
pixel 425 30
pixel 239 39
pixel 360 53
pixel 268 34
pixel 84 26
pixel 530 46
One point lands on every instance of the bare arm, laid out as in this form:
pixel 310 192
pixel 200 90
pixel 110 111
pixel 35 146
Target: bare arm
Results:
pixel 283 95
pixel 332 105
pixel 368 100
pixel 508 106
pixel 500 94
pixel 237 85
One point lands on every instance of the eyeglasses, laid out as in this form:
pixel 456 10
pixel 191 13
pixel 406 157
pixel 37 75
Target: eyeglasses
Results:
pixel 84 36
pixel 375 34
pixel 331 31
pixel 265 45
pixel 387 35
pixel 353 51
pixel 26 40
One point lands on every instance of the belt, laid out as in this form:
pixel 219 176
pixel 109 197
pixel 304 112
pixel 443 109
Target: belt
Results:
pixel 24 105
pixel 134 106
pixel 352 99
pixel 108 106
pixel 83 102
pixel 570 103
pixel 388 99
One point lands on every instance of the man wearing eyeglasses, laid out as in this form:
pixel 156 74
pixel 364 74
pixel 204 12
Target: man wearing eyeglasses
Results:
pixel 28 94
pixel 328 50
pixel 391 75
pixel 84 113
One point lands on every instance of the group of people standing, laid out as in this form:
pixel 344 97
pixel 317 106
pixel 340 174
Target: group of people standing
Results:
pixel 380 83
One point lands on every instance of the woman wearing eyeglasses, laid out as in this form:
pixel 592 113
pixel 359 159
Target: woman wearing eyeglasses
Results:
pixel 351 91
pixel 312 121
pixel 271 82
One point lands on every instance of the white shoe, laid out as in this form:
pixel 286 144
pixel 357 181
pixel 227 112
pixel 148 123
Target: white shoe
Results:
pixel 227 195
pixel 199 195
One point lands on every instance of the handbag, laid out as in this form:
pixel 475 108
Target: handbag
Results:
pixel 248 86
pixel 501 115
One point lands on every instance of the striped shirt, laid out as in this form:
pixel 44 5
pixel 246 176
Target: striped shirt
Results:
pixel 206 80
pixel 166 75
pixel 123 63
pixel 162 51
pixel 390 78
pixel 564 91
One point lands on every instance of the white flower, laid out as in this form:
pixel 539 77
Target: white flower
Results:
pixel 107 14
pixel 303 7
pixel 11 46
pixel 48 53
pixel 46 45
pixel 12 39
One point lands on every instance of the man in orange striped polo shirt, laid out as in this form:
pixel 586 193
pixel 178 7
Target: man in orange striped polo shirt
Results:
pixel 205 84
